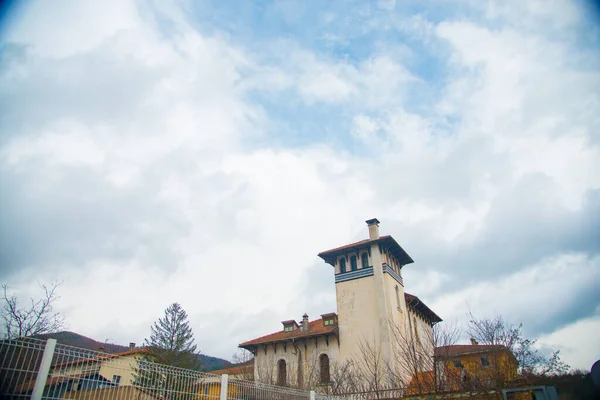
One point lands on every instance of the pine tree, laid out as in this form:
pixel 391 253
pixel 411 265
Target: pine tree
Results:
pixel 172 341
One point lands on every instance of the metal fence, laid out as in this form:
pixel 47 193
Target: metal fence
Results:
pixel 43 369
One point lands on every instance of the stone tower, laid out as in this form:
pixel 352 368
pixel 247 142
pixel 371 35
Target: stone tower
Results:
pixel 369 292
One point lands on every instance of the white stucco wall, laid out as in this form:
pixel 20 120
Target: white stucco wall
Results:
pixel 266 362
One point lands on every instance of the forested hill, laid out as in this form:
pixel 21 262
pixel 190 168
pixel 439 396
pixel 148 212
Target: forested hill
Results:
pixel 76 340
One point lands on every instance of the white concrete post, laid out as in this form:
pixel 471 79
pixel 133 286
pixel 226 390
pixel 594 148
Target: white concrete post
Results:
pixel 312 395
pixel 224 383
pixel 42 375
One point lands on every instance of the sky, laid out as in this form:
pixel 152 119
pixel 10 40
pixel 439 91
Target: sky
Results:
pixel 203 152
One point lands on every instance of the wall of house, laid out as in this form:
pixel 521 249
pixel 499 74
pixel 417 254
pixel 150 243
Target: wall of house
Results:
pixel 422 331
pixel 267 358
pixel 121 366
pixel 76 369
pixel 502 365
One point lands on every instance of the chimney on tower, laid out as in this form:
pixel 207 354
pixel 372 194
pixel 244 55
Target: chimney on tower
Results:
pixel 373 228
pixel 305 322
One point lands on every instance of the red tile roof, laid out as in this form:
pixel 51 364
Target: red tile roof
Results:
pixel 99 358
pixel 462 349
pixel 386 240
pixel 315 328
pixel 416 303
pixel 243 368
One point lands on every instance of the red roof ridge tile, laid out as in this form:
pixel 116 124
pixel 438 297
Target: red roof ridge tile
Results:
pixel 364 241
pixel 100 357
pixel 315 328
pixel 461 349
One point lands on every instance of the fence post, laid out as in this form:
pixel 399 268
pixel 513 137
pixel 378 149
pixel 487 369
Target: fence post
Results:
pixel 312 395
pixel 42 375
pixel 224 384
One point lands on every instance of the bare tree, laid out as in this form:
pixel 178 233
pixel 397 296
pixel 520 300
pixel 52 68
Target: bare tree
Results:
pixel 265 373
pixel 531 362
pixel 371 371
pixel 415 365
pixel 343 378
pixel 244 360
pixel 36 318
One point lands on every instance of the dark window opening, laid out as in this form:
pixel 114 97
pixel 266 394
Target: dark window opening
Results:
pixel 364 260
pixel 342 265
pixel 353 263
pixel 116 379
pixel 324 361
pixel 457 363
pixel 485 362
pixel 281 373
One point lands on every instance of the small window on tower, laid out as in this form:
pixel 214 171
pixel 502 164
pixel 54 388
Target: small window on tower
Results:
pixel 342 265
pixel 364 260
pixel 353 263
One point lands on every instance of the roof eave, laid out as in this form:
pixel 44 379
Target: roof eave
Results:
pixel 249 346
pixel 329 256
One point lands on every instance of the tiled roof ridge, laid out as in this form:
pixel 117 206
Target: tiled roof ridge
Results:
pixel 460 349
pixel 291 334
pixel 364 241
pixel 101 357
pixel 245 365
pixel 410 297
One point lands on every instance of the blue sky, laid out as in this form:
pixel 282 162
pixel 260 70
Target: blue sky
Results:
pixel 205 152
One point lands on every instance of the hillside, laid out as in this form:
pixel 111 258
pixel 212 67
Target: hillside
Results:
pixel 209 363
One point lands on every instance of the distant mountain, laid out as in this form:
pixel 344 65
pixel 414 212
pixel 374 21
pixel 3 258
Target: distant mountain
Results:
pixel 213 363
pixel 76 340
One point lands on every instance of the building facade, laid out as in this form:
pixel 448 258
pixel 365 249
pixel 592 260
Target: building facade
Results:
pixel 475 366
pixel 373 312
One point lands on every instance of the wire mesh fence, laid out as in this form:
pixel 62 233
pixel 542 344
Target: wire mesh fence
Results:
pixel 239 389
pixel 20 361
pixel 373 394
pixel 40 369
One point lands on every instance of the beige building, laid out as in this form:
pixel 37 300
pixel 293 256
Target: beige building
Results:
pixel 373 311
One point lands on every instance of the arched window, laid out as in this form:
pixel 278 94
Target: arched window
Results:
pixel 281 373
pixel 324 361
pixel 364 260
pixel 342 265
pixel 353 263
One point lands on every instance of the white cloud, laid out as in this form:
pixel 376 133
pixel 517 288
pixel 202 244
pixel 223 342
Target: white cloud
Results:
pixel 537 296
pixel 82 27
pixel 579 342
pixel 140 172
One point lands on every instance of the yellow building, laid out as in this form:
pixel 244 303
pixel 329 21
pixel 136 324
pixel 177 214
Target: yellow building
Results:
pixel 475 366
pixel 116 369
pixel 102 371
